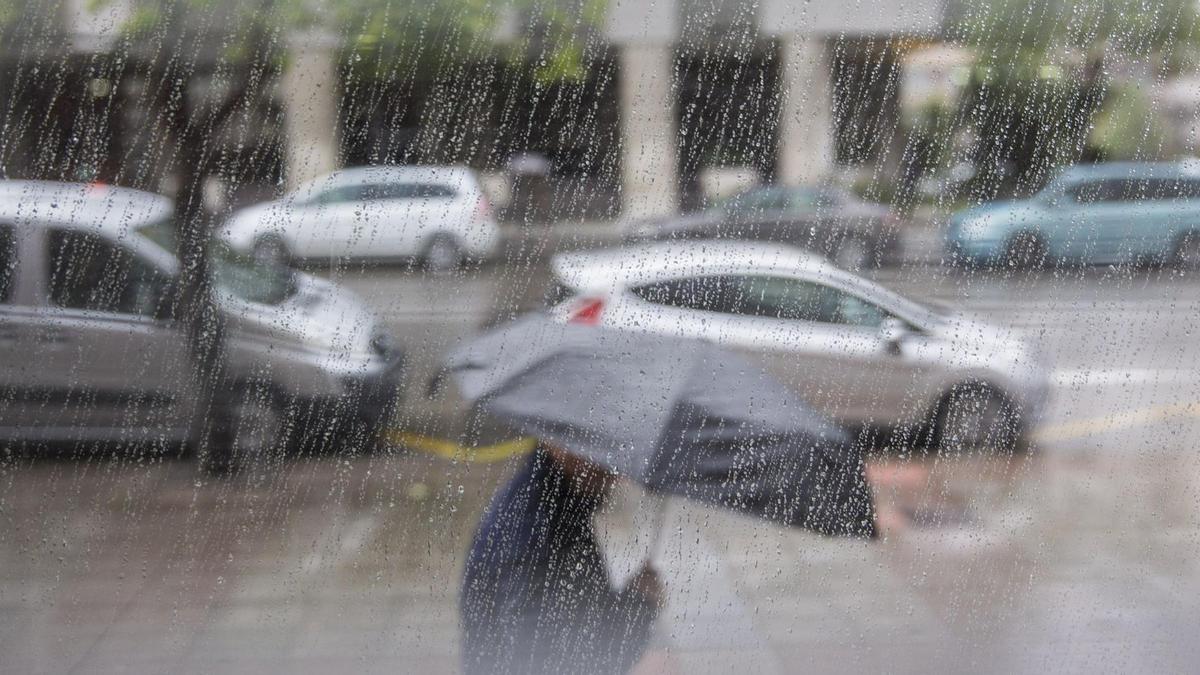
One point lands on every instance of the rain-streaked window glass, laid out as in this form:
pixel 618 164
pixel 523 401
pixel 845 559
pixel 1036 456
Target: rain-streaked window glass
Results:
pixel 599 336
pixel 86 272
pixel 8 262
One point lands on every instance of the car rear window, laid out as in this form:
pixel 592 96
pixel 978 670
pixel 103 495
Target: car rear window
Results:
pixel 1135 189
pixel 708 293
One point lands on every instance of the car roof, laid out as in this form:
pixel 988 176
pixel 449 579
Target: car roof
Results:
pixel 634 265
pixel 451 174
pixel 94 205
pixel 612 270
pixel 1181 169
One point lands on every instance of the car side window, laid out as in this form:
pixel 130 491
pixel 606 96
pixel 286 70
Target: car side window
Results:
pixel 799 300
pixel 420 191
pixel 1134 190
pixel 8 262
pixel 340 195
pixel 805 201
pixel 757 202
pixel 1087 192
pixel 707 293
pixel 90 273
pixel 1189 189
pixel 368 192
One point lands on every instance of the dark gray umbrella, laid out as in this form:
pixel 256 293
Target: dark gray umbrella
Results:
pixel 680 416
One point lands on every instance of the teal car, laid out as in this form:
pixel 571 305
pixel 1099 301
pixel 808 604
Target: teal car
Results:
pixel 1105 213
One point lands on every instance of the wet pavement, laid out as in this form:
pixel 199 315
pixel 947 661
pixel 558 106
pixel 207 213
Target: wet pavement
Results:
pixel 1081 556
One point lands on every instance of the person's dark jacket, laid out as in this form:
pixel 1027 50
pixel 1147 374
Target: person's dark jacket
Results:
pixel 536 596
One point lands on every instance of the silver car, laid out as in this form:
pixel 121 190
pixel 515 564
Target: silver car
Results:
pixel 88 351
pixel 866 356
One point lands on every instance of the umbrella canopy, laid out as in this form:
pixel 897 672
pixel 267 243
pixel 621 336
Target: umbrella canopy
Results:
pixel 680 416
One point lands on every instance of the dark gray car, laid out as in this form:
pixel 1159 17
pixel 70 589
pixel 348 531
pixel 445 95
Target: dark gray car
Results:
pixel 852 232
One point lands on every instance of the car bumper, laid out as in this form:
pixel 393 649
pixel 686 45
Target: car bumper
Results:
pixel 375 396
pixel 370 396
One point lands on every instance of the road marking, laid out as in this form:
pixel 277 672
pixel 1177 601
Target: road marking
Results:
pixel 450 450
pixel 1132 419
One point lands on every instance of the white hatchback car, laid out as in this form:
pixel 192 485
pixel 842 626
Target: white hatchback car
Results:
pixel 437 213
pixel 864 355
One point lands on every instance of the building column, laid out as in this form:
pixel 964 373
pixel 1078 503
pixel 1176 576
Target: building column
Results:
pixel 309 92
pixel 649 142
pixel 806 138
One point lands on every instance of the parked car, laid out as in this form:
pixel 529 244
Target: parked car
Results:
pixel 866 356
pixel 830 221
pixel 436 213
pixel 87 277
pixel 1106 213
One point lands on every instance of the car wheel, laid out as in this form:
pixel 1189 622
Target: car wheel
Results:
pixel 442 254
pixel 1187 251
pixel 256 433
pixel 270 249
pixel 852 254
pixel 1025 251
pixel 976 417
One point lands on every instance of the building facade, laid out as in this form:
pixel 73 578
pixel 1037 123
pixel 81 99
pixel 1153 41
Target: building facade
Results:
pixel 784 90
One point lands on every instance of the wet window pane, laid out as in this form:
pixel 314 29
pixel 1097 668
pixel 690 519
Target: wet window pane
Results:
pixel 599 336
pixel 89 273
pixel 8 262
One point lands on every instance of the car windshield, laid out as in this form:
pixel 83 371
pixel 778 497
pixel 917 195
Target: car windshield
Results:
pixel 236 273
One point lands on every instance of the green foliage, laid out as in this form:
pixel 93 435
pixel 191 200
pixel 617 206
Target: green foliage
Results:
pixel 1126 126
pixel 385 38
pixel 1019 39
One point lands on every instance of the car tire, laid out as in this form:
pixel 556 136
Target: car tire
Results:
pixel 271 249
pixel 976 417
pixel 1025 251
pixel 1186 253
pixel 442 254
pixel 853 254
pixel 253 432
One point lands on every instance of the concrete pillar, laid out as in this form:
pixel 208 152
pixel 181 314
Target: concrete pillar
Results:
pixel 806 138
pixel 310 97
pixel 649 142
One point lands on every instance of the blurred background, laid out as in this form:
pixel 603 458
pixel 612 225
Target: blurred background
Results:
pixel 237 239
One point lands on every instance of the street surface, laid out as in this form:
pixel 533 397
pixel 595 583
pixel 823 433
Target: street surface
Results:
pixel 1082 556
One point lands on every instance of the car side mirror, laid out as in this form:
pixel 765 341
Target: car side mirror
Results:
pixel 892 332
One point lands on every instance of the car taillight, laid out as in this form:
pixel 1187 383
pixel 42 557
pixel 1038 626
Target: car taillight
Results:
pixel 588 312
pixel 483 209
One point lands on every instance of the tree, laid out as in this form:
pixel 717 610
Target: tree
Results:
pixel 1045 68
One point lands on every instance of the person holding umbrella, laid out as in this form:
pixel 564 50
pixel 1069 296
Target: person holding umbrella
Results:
pixel 536 595
pixel 679 417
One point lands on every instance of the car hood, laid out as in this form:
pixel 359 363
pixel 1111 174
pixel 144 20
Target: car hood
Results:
pixel 971 329
pixel 318 316
pixel 239 229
